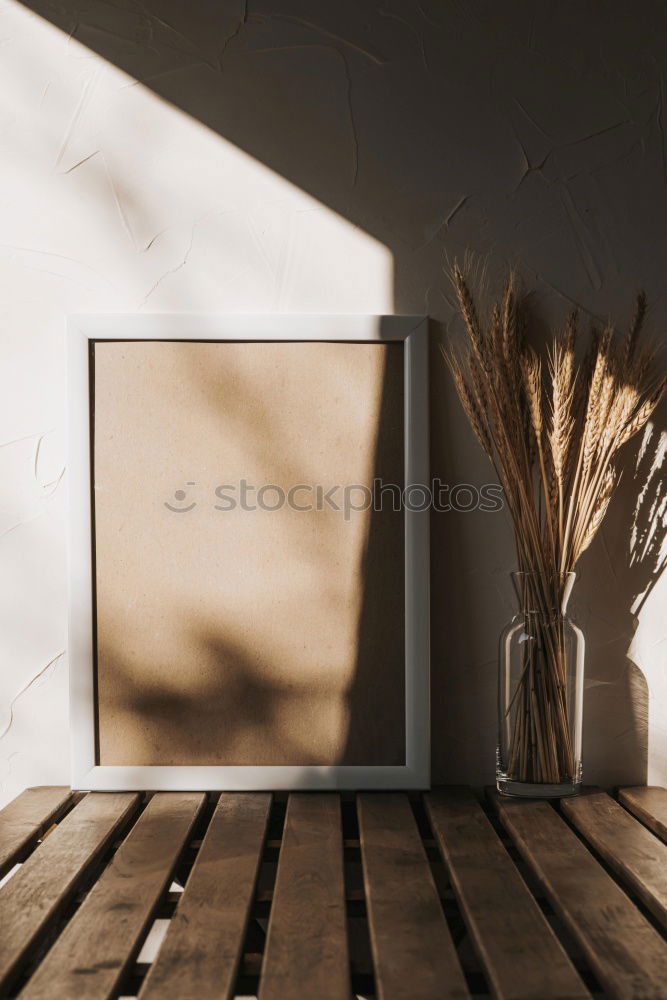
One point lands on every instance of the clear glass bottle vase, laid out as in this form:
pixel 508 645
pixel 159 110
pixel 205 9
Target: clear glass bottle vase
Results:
pixel 540 693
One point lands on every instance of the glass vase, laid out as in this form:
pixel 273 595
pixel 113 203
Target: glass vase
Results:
pixel 540 693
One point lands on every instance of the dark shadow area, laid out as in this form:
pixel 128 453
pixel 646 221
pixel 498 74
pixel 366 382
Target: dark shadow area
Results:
pixel 532 132
pixel 376 698
pixel 240 706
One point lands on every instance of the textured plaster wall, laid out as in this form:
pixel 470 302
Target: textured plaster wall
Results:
pixel 301 156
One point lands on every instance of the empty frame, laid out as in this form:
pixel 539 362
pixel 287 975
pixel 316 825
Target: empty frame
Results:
pixel 248 585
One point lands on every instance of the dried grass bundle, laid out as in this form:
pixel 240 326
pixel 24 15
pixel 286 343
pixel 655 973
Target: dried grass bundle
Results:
pixel 552 428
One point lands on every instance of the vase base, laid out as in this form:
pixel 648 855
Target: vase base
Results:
pixel 536 789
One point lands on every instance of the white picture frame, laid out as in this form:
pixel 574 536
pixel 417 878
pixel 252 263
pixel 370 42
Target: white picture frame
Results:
pixel 86 772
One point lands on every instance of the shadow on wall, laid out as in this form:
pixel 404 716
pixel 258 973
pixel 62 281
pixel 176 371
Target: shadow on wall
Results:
pixel 626 560
pixel 532 131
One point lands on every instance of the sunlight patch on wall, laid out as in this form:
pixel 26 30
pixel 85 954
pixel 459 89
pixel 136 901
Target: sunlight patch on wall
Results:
pixel 648 548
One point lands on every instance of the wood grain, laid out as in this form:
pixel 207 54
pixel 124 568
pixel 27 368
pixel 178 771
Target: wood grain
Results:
pixel 413 952
pixel 23 821
pixel 94 951
pixel 37 892
pixel 306 950
pixel 627 954
pixel 649 804
pixel 627 846
pixel 200 954
pixel 522 957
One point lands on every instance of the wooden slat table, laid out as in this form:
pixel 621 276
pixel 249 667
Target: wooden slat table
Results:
pixel 649 804
pixel 377 895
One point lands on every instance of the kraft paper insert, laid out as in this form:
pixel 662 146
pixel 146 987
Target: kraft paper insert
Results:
pixel 238 636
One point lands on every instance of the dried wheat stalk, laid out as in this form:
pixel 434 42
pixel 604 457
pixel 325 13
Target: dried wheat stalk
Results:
pixel 552 431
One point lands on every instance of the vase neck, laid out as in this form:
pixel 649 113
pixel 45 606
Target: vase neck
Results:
pixel 542 594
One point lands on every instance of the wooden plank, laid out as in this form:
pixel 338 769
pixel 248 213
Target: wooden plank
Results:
pixel 39 890
pixel 521 955
pixel 413 952
pixel 201 952
pixel 306 951
pixel 627 954
pixel 649 804
pixel 627 846
pixel 96 948
pixel 24 820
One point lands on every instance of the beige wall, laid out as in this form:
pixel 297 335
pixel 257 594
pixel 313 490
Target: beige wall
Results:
pixel 329 157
